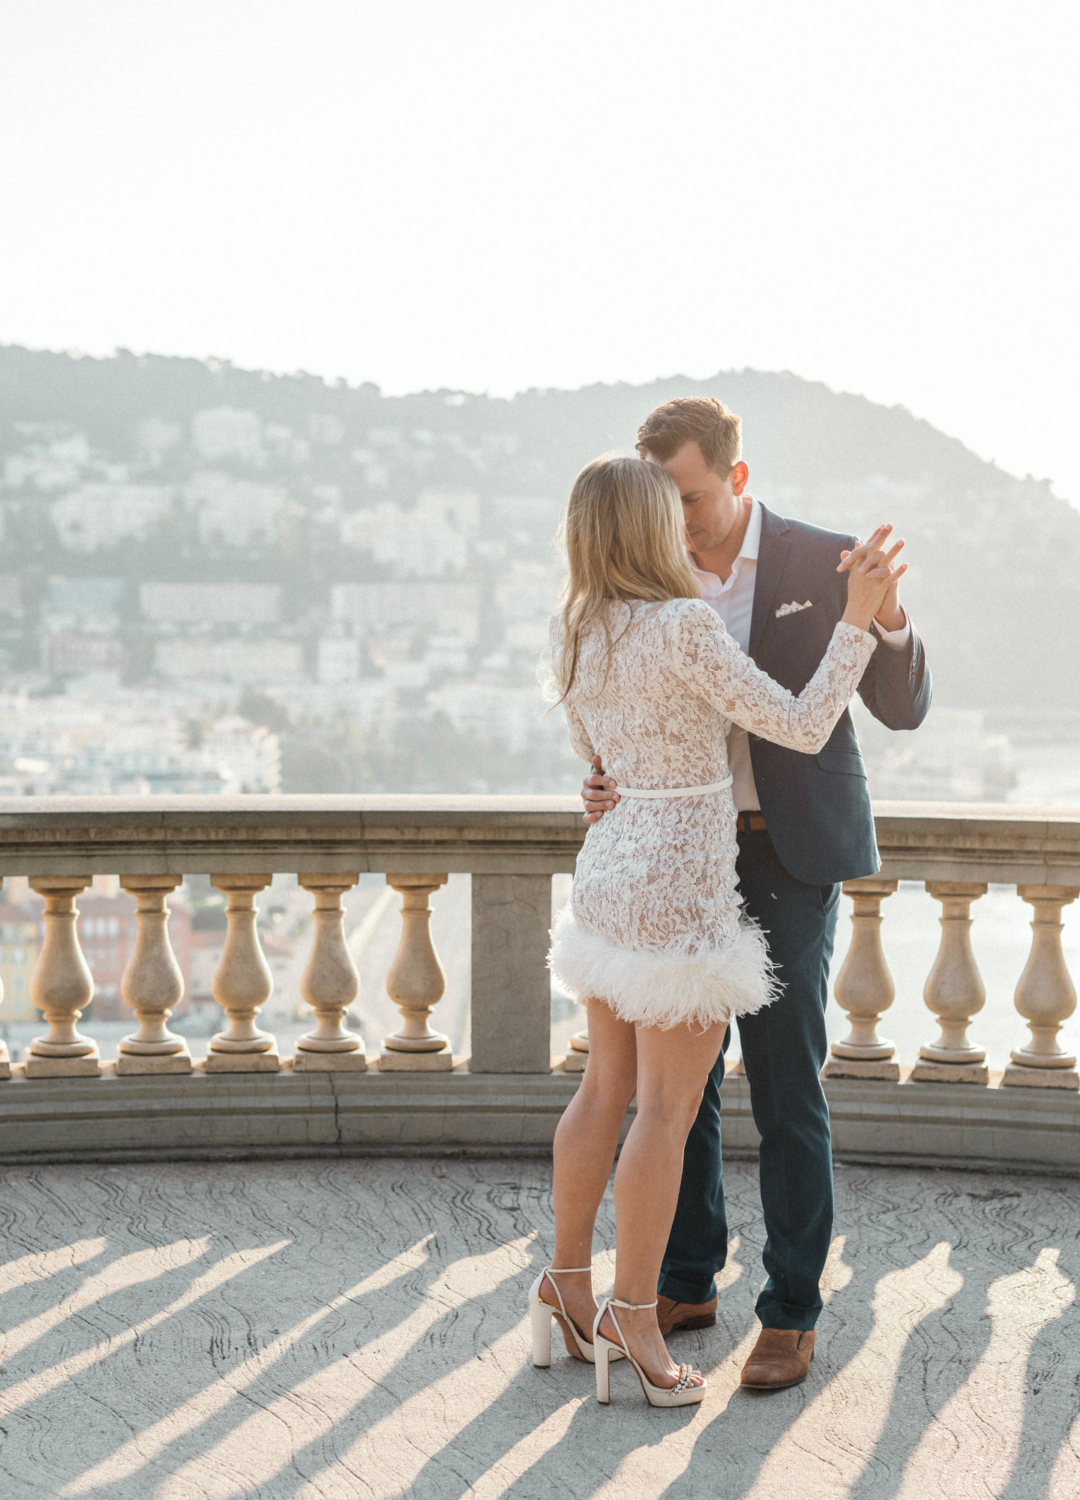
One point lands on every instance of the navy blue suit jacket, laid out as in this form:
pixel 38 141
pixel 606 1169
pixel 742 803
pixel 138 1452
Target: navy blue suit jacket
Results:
pixel 817 807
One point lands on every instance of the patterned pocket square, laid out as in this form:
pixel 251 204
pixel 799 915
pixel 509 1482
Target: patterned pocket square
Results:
pixel 793 608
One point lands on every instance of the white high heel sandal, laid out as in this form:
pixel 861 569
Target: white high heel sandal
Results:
pixel 682 1393
pixel 543 1315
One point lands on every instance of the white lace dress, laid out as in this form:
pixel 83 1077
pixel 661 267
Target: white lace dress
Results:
pixel 655 925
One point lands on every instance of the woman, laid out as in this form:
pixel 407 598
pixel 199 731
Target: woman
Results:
pixel 653 940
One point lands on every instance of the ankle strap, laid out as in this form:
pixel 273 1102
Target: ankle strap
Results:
pixel 632 1306
pixel 565 1270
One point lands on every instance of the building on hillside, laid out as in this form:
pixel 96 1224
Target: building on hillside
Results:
pixel 11 595
pixel 235 512
pixel 526 595
pixel 90 605
pixel 131 744
pixel 440 608
pixel 210 603
pixel 79 623
pixel 372 702
pixel 427 541
pixel 229 659
pixel 250 754
pixel 97 516
pixel 228 432
pixel 20 944
pixel 207 940
pixel 65 654
pixel 338 659
pixel 511 717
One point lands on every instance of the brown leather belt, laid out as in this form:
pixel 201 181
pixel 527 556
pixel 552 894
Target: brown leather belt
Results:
pixel 750 822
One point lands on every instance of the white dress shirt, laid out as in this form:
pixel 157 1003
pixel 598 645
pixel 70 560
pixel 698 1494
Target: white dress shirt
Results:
pixel 734 603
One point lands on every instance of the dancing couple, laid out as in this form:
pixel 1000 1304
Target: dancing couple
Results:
pixel 705 651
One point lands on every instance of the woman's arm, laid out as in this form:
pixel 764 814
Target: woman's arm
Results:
pixel 706 658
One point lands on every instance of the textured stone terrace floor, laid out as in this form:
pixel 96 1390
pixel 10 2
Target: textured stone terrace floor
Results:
pixel 352 1329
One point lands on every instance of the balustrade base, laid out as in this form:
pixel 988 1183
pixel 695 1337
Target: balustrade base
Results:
pixel 63 1067
pixel 925 1071
pixel 415 1062
pixel 131 1064
pixel 329 1062
pixel 574 1062
pixel 244 1062
pixel 112 1118
pixel 854 1067
pixel 1041 1078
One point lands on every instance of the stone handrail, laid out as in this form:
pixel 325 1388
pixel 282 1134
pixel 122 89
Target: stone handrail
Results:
pixel 511 846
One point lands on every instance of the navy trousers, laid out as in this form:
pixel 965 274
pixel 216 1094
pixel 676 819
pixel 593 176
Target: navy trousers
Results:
pixel 783 1048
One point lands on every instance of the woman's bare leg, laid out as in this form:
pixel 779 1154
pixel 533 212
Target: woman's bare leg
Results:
pixel 585 1145
pixel 672 1068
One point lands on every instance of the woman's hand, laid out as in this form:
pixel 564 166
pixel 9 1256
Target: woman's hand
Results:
pixel 598 793
pixel 871 574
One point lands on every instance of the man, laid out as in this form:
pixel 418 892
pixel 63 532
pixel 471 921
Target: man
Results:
pixel 805 825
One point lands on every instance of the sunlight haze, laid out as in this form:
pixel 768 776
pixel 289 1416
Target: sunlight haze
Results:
pixel 494 196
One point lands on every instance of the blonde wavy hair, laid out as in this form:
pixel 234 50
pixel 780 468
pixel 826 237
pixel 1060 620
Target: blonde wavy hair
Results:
pixel 623 537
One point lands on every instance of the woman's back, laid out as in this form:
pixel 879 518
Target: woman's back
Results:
pixel 635 706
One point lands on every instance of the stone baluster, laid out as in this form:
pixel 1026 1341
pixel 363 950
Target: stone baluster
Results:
pixel 242 984
pixel 415 983
pixel 5 1055
pixel 152 984
pixel 329 984
pixel 578 1056
pixel 61 986
pixel 864 989
pixel 954 991
pixel 1045 995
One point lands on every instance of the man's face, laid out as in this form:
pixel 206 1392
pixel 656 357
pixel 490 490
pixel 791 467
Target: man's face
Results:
pixel 711 504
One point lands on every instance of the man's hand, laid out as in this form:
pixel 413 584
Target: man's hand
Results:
pixel 891 615
pixel 598 793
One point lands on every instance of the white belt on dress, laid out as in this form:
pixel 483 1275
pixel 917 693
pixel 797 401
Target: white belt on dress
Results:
pixel 676 791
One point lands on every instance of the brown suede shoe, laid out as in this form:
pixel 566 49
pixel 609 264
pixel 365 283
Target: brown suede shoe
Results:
pixel 672 1315
pixel 781 1357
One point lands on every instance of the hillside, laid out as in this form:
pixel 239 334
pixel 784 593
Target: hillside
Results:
pixel 159 469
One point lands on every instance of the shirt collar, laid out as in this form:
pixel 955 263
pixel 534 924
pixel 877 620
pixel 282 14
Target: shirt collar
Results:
pixel 709 583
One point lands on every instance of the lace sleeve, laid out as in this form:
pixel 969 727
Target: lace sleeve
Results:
pixel 579 736
pixel 709 661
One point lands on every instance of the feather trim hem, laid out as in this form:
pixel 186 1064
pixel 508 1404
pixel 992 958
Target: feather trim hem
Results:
pixel 670 987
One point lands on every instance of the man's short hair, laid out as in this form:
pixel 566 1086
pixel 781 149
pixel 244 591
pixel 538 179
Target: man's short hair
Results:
pixel 693 419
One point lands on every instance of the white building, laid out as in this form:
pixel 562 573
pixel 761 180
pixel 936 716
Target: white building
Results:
pixel 236 512
pixel 230 659
pixel 502 715
pixel 227 432
pixel 443 608
pixel 428 541
pixel 210 603
pixel 130 743
pixel 101 515
pixel 338 659
pixel 529 590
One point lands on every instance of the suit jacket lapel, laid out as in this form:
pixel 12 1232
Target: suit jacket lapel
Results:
pixel 772 555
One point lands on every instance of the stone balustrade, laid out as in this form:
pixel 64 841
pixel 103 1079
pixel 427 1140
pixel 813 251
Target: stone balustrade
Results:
pixel 511 847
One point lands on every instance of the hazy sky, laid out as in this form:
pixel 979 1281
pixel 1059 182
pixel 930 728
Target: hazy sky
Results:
pixel 491 195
